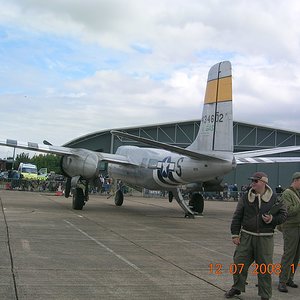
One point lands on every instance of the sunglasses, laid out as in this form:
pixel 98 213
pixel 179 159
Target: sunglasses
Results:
pixel 254 180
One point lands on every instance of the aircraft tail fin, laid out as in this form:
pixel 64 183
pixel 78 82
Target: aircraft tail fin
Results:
pixel 216 128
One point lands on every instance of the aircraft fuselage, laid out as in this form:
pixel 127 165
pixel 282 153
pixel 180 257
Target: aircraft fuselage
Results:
pixel 159 169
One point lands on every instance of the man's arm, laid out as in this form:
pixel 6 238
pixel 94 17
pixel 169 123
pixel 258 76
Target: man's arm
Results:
pixel 281 215
pixel 236 222
pixel 291 201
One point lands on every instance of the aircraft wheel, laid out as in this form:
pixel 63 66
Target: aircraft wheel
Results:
pixel 119 197
pixel 197 202
pixel 78 199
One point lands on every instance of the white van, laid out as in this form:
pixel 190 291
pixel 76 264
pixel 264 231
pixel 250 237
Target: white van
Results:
pixel 28 171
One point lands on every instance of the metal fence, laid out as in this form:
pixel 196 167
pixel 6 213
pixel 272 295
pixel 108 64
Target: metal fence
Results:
pixel 48 185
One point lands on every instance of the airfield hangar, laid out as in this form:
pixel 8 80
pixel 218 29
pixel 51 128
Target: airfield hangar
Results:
pixel 245 137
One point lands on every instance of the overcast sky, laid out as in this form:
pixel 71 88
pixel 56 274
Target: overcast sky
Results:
pixel 72 67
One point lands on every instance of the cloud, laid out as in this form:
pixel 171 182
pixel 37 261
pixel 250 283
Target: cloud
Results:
pixel 71 67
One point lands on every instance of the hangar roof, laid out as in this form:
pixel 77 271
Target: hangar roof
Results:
pixel 246 136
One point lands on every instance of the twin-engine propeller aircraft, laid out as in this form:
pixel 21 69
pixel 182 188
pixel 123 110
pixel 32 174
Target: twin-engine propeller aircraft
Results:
pixel 199 167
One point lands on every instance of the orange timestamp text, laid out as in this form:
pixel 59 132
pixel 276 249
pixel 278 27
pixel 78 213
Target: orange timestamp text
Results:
pixel 255 269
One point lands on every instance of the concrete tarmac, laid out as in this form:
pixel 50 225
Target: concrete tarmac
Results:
pixel 144 249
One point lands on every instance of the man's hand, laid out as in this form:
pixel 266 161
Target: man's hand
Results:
pixel 236 240
pixel 267 218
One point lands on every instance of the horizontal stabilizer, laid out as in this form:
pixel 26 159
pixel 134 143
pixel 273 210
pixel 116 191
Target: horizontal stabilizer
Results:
pixel 270 151
pixel 257 156
pixel 266 160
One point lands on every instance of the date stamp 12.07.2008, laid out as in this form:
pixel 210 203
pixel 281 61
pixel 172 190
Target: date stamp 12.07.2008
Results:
pixel 254 269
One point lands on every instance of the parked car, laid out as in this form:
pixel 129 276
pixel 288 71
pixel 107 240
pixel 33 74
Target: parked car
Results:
pixel 4 175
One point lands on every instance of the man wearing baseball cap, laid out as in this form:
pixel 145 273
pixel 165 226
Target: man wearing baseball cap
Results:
pixel 291 235
pixel 252 228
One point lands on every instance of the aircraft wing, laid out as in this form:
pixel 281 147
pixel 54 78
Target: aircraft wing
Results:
pixel 36 147
pixel 107 157
pixel 257 156
pixel 175 149
pixel 114 159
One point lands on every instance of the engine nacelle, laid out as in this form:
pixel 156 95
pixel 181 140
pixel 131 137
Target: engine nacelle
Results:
pixel 83 163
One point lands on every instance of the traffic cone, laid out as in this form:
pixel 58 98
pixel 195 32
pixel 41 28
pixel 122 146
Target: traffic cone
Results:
pixel 59 191
pixel 8 186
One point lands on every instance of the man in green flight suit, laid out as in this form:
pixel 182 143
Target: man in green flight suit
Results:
pixel 291 235
pixel 252 228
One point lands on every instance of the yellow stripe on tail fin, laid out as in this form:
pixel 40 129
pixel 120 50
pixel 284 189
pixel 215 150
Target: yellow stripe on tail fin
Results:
pixel 222 86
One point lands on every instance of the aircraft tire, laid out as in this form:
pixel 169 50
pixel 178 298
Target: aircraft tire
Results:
pixel 78 199
pixel 119 198
pixel 197 202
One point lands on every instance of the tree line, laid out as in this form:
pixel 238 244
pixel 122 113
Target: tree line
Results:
pixel 49 161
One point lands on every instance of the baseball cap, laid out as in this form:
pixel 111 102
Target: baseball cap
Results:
pixel 260 176
pixel 296 175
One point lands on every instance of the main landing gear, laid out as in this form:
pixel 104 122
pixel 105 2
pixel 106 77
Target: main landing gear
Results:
pixel 80 191
pixel 119 198
pixel 195 207
pixel 196 203
pixel 179 198
pixel 78 199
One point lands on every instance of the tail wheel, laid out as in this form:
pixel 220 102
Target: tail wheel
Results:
pixel 119 198
pixel 78 199
pixel 197 202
